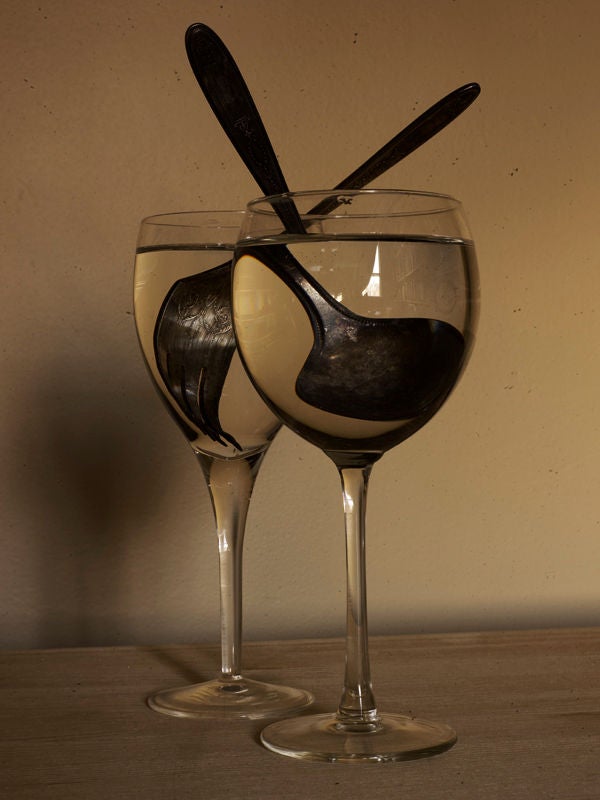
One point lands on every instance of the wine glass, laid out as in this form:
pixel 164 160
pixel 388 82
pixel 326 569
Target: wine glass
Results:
pixel 354 329
pixel 183 318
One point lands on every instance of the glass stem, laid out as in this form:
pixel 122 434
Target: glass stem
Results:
pixel 357 707
pixel 230 483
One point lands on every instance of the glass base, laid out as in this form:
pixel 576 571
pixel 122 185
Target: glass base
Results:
pixel 322 737
pixel 231 698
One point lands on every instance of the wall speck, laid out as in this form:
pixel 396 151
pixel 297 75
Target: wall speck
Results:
pixel 355 40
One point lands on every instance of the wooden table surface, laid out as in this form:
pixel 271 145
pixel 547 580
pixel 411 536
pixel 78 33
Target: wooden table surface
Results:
pixel 526 706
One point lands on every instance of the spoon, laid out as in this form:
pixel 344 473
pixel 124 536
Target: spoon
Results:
pixel 407 366
pixel 231 101
pixel 397 389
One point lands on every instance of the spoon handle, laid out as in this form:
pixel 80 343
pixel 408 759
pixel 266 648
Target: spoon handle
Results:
pixel 231 101
pixel 423 128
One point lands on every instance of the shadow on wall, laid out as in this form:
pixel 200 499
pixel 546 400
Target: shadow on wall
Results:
pixel 89 494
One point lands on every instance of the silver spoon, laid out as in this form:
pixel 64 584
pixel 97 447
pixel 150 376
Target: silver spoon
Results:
pixel 231 101
pixel 405 388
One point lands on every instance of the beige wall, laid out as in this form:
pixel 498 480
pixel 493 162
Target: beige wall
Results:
pixel 490 516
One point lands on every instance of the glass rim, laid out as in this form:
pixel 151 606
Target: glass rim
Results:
pixel 177 218
pixel 450 203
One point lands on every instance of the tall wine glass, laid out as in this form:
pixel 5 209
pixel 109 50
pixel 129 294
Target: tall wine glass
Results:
pixel 183 319
pixel 354 329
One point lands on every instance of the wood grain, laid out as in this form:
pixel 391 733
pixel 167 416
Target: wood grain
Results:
pixel 526 705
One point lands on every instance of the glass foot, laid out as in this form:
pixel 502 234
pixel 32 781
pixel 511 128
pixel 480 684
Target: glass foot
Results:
pixel 322 737
pixel 235 697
